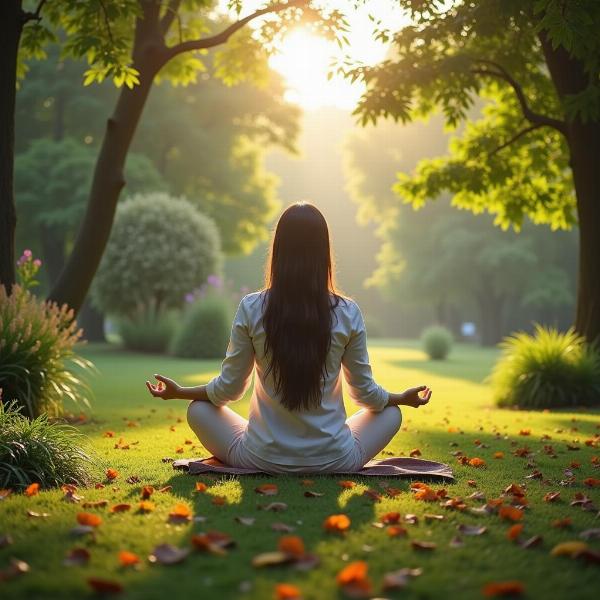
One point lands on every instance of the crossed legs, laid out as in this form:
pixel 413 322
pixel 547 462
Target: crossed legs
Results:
pixel 218 428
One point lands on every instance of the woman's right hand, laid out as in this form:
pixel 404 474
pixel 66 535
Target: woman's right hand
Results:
pixel 166 388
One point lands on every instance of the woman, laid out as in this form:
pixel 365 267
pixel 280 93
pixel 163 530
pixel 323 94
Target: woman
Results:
pixel 298 333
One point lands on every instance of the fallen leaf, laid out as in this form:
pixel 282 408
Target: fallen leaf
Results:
pixel 590 534
pixel 503 588
pixel 572 549
pixel 219 500
pixel 510 513
pixel 531 542
pixel 167 554
pixel 395 531
pixel 373 495
pixel 180 513
pixel 423 545
pixel 111 474
pixel 104 586
pixel 498 454
pixel 273 506
pixel 477 462
pixel 37 515
pixel 396 580
pixel 429 517
pixel 414 453
pixel 5 540
pixel 4 493
pixel 514 531
pixel 200 487
pixel 292 544
pixel 515 490
pixel 145 506
pixel 307 482
pixel 282 527
pixel 147 491
pixel 311 494
pixel 286 591
pixel 133 479
pixel 410 518
pixel 551 496
pixel 15 569
pixel 245 520
pixel 562 523
pixel 95 504
pixel 390 518
pixel 165 489
pixel 346 484
pixel 336 523
pixel 32 489
pixel 471 529
pixel 354 581
pixel 77 557
pixel 214 542
pixel 81 530
pixel 456 542
pixel 591 482
pixel 118 508
pixel 267 489
pixel 128 559
pixel 525 432
pixel 88 519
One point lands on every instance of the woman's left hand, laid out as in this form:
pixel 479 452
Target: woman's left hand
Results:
pixel 417 396
pixel 166 388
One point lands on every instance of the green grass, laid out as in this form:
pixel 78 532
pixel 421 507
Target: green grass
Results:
pixel 461 412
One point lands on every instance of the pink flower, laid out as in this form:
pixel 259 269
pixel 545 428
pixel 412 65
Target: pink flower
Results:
pixel 37 263
pixel 27 253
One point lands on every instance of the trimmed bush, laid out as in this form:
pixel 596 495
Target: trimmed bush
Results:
pixel 39 368
pixel 437 342
pixel 38 451
pixel 147 331
pixel 160 248
pixel 546 370
pixel 204 330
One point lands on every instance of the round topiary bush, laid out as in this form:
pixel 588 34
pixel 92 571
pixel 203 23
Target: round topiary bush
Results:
pixel 204 330
pixel 545 370
pixel 39 451
pixel 148 331
pixel 437 342
pixel 160 248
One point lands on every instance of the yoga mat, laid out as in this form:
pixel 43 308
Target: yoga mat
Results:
pixel 396 466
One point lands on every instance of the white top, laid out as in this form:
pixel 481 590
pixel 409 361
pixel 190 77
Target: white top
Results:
pixel 276 434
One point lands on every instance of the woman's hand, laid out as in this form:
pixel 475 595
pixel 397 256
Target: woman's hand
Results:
pixel 166 388
pixel 417 396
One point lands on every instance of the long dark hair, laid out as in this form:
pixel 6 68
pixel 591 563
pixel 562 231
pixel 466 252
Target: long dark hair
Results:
pixel 300 295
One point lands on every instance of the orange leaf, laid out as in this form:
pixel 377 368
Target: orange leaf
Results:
pixel 551 496
pixel 591 482
pixel 414 453
pixel 108 434
pixel 219 500
pixel 146 506
pixel 525 432
pixel 147 491
pixel 111 474
pixel 180 513
pixel 427 495
pixel 179 450
pixel 291 544
pixel 477 462
pixel 201 486
pixel 395 531
pixel 128 559
pixel 510 513
pixel 355 572
pixel 32 490
pixel 117 508
pixel 84 518
pixel 286 591
pixel 562 523
pixel 503 588
pixel 498 454
pixel 346 484
pixel 390 518
pixel 267 489
pixel 307 482
pixel 514 531
pixel 336 523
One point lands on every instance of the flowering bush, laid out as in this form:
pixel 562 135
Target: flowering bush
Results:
pixel 27 268
pixel 36 349
pixel 160 248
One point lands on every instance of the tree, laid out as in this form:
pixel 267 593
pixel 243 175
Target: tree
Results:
pixel 536 65
pixel 133 42
pixel 464 267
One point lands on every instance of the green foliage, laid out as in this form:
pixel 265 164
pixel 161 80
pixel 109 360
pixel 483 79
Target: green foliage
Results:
pixel 39 368
pixel 147 331
pixel 160 248
pixel 39 451
pixel 437 342
pixel 204 330
pixel 548 369
pixel 452 56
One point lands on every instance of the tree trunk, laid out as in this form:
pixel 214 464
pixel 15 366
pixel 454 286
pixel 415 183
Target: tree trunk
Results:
pixel 11 25
pixel 92 322
pixel 108 181
pixel 569 77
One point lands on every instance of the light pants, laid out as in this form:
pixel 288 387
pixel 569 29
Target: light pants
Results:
pixel 220 431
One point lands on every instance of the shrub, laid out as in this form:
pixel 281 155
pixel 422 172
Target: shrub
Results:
pixel 147 331
pixel 546 369
pixel 160 248
pixel 38 451
pixel 204 330
pixel 37 359
pixel 437 342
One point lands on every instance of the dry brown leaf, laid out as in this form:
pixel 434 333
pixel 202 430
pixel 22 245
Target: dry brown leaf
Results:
pixel 282 527
pixel 531 542
pixel 471 529
pixel 104 586
pixel 311 494
pixel 273 506
pixel 167 554
pixel 37 515
pixel 396 580
pixel 77 557
pixel 267 489
pixel 269 559
pixel 417 545
pixel 119 508
pixel 503 588
pixel 180 513
pixel 245 520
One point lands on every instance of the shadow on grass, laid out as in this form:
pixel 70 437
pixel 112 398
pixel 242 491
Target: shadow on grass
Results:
pixel 461 367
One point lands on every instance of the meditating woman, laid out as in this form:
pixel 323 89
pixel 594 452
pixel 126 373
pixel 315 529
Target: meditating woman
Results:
pixel 299 333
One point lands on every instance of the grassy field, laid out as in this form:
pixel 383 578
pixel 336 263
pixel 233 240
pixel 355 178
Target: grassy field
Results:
pixel 461 417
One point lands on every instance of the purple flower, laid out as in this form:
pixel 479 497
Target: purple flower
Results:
pixel 214 280
pixel 189 297
pixel 27 253
pixel 37 263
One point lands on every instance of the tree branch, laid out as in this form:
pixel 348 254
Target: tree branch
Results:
pixel 223 36
pixel 36 15
pixel 514 138
pixel 171 12
pixel 539 119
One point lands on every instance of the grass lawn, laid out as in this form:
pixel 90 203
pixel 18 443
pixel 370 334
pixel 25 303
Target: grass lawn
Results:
pixel 461 417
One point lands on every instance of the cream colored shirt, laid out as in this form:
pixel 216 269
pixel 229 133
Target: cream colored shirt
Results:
pixel 274 433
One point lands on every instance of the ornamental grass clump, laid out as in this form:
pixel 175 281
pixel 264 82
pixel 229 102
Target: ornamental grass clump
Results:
pixel 39 368
pixel 546 370
pixel 39 451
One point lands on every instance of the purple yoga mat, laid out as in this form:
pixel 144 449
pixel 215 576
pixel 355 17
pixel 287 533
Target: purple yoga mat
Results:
pixel 396 466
